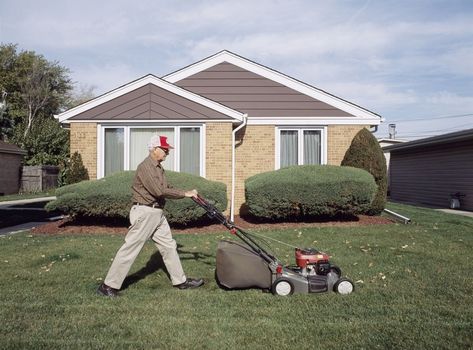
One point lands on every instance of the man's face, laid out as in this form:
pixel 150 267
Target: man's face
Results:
pixel 161 153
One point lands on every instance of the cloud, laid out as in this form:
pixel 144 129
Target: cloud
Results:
pixel 105 77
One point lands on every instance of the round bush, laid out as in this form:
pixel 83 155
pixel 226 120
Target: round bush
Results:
pixel 110 197
pixel 309 191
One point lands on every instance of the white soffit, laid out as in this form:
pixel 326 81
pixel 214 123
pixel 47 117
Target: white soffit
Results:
pixel 149 79
pixel 226 56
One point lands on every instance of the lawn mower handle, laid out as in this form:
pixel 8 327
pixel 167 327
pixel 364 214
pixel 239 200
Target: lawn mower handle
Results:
pixel 214 213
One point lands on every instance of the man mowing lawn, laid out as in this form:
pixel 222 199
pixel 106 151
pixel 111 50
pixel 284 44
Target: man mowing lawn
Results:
pixel 150 188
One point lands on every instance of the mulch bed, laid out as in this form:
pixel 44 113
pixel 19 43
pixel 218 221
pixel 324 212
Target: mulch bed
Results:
pixel 99 226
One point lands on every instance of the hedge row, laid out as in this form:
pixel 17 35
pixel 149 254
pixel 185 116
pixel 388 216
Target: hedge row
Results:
pixel 111 197
pixel 309 191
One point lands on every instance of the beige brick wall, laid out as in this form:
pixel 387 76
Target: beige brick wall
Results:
pixel 83 138
pixel 339 138
pixel 218 154
pixel 254 155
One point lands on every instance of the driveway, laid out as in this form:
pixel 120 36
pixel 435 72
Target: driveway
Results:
pixel 24 214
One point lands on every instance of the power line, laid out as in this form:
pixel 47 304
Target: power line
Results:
pixel 439 130
pixel 430 118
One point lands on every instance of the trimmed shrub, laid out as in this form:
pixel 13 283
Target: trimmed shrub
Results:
pixel 309 191
pixel 365 153
pixel 111 197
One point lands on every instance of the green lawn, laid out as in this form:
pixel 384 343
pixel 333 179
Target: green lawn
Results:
pixel 413 290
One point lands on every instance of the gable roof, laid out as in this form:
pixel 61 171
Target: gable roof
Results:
pixel 143 81
pixel 306 89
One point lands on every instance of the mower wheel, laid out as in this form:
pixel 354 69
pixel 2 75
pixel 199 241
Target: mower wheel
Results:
pixel 344 286
pixel 282 287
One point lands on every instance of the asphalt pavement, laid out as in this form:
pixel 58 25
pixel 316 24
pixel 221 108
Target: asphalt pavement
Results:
pixel 24 214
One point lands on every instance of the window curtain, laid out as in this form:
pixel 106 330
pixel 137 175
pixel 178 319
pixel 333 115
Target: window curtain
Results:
pixel 288 152
pixel 311 147
pixel 189 149
pixel 139 138
pixel 114 150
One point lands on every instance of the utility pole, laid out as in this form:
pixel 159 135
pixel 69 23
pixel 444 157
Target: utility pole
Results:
pixel 392 131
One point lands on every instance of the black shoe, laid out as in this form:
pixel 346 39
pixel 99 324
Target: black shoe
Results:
pixel 190 283
pixel 107 291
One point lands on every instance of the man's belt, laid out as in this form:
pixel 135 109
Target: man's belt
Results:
pixel 152 205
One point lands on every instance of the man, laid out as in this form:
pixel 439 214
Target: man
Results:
pixel 150 188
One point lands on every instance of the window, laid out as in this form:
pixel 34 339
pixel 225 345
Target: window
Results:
pixel 113 150
pixel 300 146
pixel 123 148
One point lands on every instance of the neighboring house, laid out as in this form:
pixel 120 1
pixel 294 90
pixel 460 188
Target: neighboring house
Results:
pixel 228 117
pixel 428 171
pixel 383 143
pixel 11 158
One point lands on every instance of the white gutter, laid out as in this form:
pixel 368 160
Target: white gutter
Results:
pixel 232 201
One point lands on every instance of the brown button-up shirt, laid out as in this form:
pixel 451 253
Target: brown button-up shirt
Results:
pixel 150 184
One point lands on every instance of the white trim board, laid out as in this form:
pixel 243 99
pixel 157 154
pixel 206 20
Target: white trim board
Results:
pixel 149 79
pixel 226 56
pixel 312 121
pixel 153 121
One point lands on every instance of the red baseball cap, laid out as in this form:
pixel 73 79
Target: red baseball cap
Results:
pixel 159 141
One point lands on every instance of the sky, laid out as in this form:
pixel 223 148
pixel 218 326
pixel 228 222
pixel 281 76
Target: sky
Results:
pixel 409 61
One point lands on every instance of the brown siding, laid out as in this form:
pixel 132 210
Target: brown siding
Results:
pixel 10 172
pixel 150 102
pixel 253 94
pixel 428 175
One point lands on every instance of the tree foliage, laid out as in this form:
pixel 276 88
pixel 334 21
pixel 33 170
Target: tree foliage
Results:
pixel 75 170
pixel 37 89
pixel 365 153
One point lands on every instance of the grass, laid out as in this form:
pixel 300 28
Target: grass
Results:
pixel 14 197
pixel 413 290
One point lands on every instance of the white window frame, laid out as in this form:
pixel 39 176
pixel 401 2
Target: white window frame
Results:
pixel 300 143
pixel 126 140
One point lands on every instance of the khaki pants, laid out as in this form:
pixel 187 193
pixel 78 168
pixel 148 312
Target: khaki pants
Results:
pixel 146 222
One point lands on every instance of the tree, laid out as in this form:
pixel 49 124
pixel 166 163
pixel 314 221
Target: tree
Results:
pixel 37 89
pixel 75 171
pixel 365 153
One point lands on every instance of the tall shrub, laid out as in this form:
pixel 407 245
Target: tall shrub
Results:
pixel 75 171
pixel 365 153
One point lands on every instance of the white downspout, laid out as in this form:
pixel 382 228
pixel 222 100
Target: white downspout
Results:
pixel 232 200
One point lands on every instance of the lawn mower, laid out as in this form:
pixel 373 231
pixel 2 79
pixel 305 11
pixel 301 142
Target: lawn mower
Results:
pixel 249 265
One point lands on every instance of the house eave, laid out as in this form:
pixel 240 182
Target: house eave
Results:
pixel 150 121
pixel 313 121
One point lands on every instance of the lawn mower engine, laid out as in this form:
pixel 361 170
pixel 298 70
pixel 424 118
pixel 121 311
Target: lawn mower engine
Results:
pixel 312 262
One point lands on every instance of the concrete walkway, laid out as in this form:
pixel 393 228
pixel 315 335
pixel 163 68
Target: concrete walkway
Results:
pixel 457 212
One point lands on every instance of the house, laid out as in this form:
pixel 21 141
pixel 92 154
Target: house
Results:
pixel 11 158
pixel 383 143
pixel 228 117
pixel 429 171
